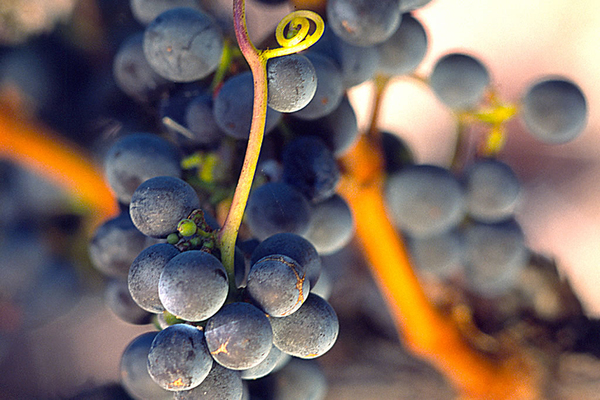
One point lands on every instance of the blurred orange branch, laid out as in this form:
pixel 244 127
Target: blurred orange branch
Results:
pixel 426 331
pixel 44 152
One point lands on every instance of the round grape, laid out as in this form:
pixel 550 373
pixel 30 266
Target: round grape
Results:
pixel 278 285
pixel 178 358
pixel 292 83
pixel 459 80
pixel 309 332
pixel 183 44
pixel 239 336
pixel 144 275
pixel 554 110
pixel 193 285
pixel 160 203
pixel 425 200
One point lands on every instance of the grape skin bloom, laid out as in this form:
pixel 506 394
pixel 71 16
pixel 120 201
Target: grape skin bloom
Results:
pixel 183 44
pixel 292 83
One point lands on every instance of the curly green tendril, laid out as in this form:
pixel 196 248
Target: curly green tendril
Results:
pixel 298 26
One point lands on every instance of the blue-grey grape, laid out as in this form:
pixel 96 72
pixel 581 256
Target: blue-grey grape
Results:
pixel 459 80
pixel 309 332
pixel 364 22
pixel 300 380
pixel 144 275
pixel 179 358
pixel 439 255
pixel 239 336
pixel 331 225
pixel 330 88
pixel 294 246
pixel 278 285
pixel 425 200
pixel 183 44
pixel 554 110
pixel 145 11
pixel 292 83
pixel 193 285
pixel 495 254
pixel 411 5
pixel 220 384
pixel 132 73
pixel 159 203
pixel 266 366
pixel 118 299
pixel 403 52
pixel 116 243
pixel 134 370
pixel 357 64
pixel 137 157
pixel 492 190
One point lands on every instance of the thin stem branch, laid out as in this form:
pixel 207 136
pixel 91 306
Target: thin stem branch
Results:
pixel 229 232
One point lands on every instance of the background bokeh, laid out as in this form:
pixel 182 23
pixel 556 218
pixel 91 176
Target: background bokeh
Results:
pixel 519 41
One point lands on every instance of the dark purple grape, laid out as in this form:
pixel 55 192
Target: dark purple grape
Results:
pixel 239 336
pixel 277 207
pixel 278 285
pixel 193 285
pixel 200 120
pixel 310 167
pixel 309 332
pixel 178 358
pixel 144 275
pixel 339 129
pixel 233 107
pixel 160 203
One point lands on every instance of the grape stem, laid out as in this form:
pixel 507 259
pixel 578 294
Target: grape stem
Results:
pixel 257 60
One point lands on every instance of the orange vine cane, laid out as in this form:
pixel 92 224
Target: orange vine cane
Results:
pixel 44 152
pixel 426 331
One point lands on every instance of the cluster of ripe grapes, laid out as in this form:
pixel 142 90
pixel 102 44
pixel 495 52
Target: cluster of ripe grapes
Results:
pixel 220 326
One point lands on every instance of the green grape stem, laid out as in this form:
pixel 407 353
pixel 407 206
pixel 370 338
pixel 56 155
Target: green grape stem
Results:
pixel 229 232
pixel 257 60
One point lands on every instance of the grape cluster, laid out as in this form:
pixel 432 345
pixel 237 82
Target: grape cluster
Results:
pixel 223 325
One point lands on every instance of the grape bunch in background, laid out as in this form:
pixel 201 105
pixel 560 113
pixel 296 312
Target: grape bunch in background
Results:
pixel 228 318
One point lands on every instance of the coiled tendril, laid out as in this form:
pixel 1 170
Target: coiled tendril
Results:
pixel 297 23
